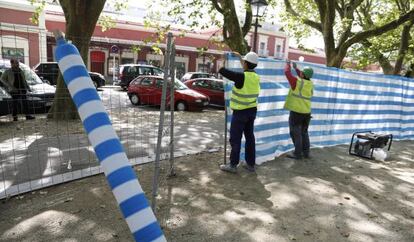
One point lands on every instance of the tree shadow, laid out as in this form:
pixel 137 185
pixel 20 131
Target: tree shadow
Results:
pixel 332 197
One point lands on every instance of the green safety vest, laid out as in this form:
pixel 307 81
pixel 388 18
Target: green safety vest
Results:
pixel 246 97
pixel 299 100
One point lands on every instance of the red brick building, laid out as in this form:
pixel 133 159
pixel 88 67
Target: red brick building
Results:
pixel 19 37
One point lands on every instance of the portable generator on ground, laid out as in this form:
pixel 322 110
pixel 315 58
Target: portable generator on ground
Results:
pixel 363 144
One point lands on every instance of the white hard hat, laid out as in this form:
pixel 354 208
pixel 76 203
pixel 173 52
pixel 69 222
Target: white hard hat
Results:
pixel 251 57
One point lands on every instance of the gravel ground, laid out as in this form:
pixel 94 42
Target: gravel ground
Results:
pixel 332 197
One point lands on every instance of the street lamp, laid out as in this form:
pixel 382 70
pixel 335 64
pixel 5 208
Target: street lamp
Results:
pixel 258 10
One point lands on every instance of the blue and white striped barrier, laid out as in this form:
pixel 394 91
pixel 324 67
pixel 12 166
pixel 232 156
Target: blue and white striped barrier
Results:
pixel 344 102
pixel 119 173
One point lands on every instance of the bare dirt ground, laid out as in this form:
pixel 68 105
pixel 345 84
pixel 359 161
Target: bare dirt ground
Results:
pixel 332 197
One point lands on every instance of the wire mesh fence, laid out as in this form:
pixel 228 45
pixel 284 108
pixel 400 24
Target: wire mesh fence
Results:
pixel 40 152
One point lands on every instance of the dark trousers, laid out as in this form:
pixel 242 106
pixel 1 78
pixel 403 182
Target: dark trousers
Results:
pixel 19 102
pixel 242 122
pixel 298 129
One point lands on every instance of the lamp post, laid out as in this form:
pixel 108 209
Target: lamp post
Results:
pixel 258 10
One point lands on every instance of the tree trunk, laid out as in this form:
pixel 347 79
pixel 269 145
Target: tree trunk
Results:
pixel 410 73
pixel 81 18
pixel 384 62
pixel 233 34
pixel 404 44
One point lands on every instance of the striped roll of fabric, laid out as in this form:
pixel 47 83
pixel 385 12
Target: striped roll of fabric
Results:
pixel 119 173
pixel 344 102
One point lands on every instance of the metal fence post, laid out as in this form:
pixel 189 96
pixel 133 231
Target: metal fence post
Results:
pixel 225 115
pixel 161 123
pixel 172 105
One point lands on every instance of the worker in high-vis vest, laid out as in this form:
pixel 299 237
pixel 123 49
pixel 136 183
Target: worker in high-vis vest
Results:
pixel 298 102
pixel 243 102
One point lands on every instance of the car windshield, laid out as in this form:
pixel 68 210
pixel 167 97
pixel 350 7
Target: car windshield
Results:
pixel 158 72
pixel 178 84
pixel 31 77
pixel 3 93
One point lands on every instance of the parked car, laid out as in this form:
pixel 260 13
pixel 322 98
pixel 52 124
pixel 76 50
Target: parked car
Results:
pixel 212 88
pixel 39 97
pixel 49 71
pixel 148 90
pixel 129 72
pixel 5 102
pixel 194 75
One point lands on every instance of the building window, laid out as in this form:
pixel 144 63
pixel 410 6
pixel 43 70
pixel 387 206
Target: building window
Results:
pixel 204 67
pixel 278 48
pixel 262 49
pixel 155 60
pixel 156 63
pixel 9 53
pixel 279 53
pixel 179 69
pixel 111 65
pixel 262 45
pixel 127 61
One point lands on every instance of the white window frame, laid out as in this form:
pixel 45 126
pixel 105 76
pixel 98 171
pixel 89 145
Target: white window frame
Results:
pixel 156 58
pixel 200 61
pixel 263 39
pixel 184 59
pixel 12 41
pixel 280 42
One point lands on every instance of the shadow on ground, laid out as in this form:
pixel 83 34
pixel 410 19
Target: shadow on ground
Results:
pixel 332 197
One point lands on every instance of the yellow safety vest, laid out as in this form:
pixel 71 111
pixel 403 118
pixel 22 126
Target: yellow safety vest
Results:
pixel 246 97
pixel 299 100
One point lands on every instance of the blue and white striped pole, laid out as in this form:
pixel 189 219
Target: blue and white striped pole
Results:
pixel 108 148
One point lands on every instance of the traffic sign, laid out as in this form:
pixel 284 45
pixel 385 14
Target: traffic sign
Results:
pixel 114 49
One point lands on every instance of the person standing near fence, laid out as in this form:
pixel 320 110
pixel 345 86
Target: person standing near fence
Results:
pixel 16 84
pixel 243 102
pixel 298 102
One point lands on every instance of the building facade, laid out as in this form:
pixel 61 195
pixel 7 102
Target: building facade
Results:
pixel 19 37
pixel 34 43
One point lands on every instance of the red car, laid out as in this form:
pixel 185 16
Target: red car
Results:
pixel 213 88
pixel 148 90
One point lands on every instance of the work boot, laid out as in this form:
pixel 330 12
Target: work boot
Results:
pixel 293 156
pixel 248 167
pixel 29 117
pixel 228 168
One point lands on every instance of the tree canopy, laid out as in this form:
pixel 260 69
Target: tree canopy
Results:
pixel 235 21
pixel 392 49
pixel 339 23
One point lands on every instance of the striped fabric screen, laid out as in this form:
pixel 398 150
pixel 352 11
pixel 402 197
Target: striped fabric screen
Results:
pixel 344 102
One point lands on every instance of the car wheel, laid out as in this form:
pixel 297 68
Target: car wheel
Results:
pixel 134 98
pixel 181 106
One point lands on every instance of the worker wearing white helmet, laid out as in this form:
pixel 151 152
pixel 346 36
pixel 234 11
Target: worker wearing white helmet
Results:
pixel 243 102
